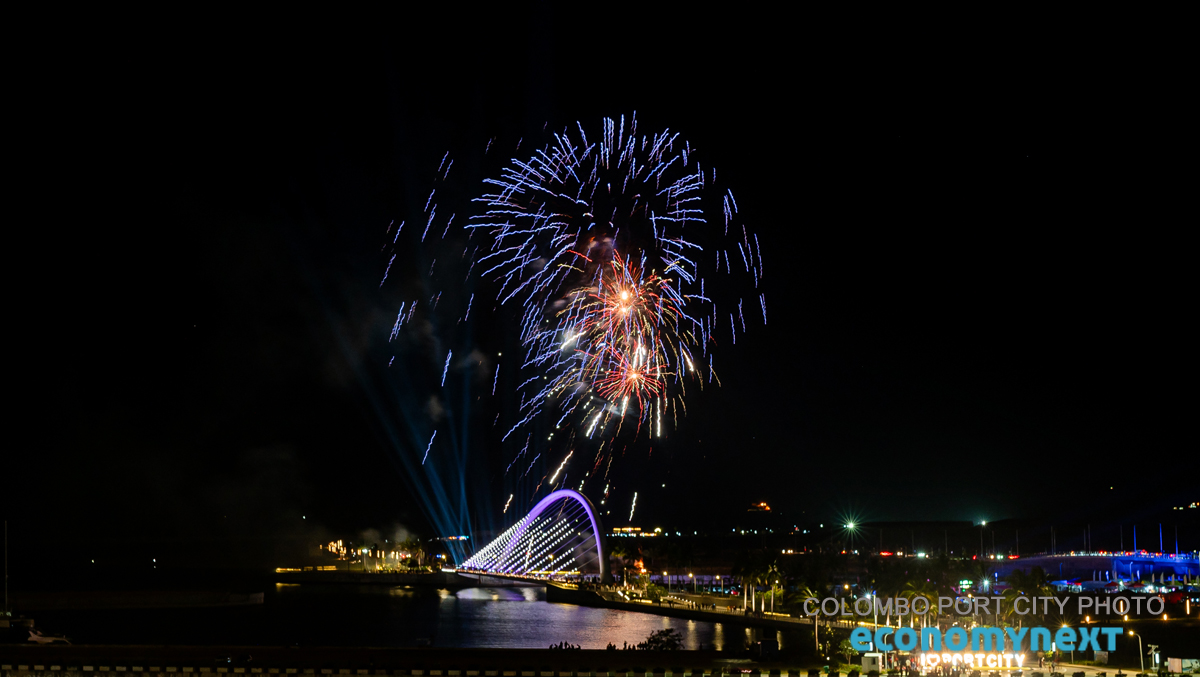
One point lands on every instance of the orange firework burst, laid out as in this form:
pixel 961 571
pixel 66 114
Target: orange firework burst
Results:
pixel 627 378
pixel 625 330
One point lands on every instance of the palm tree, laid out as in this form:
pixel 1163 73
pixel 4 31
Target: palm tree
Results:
pixel 806 592
pixel 889 580
pixel 765 570
pixel 741 569
pixel 754 575
pixel 751 568
pixel 1033 584
pixel 1010 599
pixel 915 590
pixel 621 554
pixel 413 547
pixel 773 575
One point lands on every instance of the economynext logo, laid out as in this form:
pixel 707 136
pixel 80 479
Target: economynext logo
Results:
pixel 982 646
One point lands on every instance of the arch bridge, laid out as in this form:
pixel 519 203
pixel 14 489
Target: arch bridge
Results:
pixel 561 536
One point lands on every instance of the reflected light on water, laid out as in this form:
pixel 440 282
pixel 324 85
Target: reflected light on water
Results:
pixel 520 617
pixel 400 616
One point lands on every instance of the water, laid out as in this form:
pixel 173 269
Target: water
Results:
pixel 346 615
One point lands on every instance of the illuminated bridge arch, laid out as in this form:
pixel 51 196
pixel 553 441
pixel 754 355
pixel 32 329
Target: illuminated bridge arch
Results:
pixel 562 535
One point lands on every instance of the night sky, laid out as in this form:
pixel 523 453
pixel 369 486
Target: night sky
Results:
pixel 976 281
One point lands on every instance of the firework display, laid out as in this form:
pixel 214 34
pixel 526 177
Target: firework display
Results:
pixel 624 268
pixel 599 244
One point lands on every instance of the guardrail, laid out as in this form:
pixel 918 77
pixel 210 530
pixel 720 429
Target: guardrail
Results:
pixel 31 670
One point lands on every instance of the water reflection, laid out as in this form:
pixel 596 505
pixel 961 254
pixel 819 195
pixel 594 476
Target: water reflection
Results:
pixel 400 616
pixel 498 594
pixel 521 618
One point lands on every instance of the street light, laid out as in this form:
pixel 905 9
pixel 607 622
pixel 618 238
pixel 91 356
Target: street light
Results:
pixel 1141 659
pixel 693 583
pixel 874 611
pixel 721 588
pixel 668 582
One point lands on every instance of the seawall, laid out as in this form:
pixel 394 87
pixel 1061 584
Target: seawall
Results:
pixel 571 595
pixel 438 579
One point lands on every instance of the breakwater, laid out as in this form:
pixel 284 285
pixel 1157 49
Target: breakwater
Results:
pixel 437 579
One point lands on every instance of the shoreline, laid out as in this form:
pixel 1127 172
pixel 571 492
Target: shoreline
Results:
pixel 563 595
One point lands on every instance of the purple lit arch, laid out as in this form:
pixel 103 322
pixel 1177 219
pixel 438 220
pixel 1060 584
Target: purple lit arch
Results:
pixel 593 516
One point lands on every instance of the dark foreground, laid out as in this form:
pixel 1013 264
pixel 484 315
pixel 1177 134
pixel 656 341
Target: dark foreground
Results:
pixel 177 661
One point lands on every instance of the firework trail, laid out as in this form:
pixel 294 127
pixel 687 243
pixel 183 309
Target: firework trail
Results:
pixel 469 302
pixel 561 466
pixel 387 270
pixel 431 439
pixel 535 458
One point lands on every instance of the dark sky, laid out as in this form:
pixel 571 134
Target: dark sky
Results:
pixel 978 283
